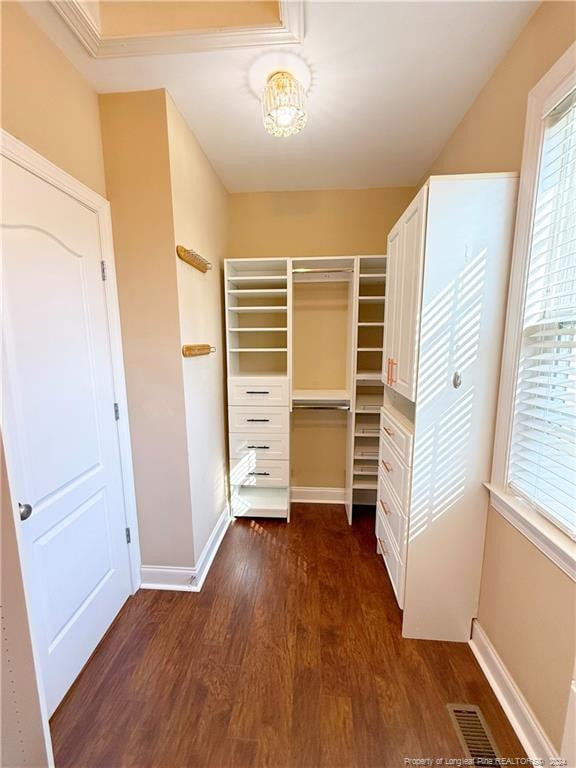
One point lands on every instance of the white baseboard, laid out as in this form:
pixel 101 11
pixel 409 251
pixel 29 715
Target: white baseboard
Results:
pixel 210 549
pixel 187 579
pixel 523 720
pixel 318 495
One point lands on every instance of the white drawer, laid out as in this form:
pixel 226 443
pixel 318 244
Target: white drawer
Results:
pixel 257 391
pixel 259 472
pixel 397 435
pixel 396 472
pixel 262 446
pixel 386 548
pixel 389 508
pixel 263 420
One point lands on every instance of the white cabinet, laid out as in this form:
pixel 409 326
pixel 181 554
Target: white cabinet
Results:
pixel 448 260
pixel 406 262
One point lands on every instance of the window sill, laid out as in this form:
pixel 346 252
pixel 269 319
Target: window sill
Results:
pixel 549 539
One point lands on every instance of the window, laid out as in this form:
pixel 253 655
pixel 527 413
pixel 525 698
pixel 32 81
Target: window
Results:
pixel 534 470
pixel 542 459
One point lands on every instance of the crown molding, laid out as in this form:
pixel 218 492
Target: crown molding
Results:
pixel 74 14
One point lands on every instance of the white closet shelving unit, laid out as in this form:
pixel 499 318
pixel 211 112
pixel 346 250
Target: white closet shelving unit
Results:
pixel 273 372
pixel 369 296
pixel 258 332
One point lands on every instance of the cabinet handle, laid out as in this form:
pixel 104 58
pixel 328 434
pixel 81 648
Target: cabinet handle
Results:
pixel 257 392
pixel 258 420
pixel 389 432
pixel 260 474
pixel 393 365
pixel 385 507
pixel 387 466
pixel 382 547
pixel 259 447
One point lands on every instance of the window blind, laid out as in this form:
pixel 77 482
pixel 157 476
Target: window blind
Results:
pixel 542 463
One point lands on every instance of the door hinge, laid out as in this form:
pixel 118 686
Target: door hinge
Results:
pixel 103 269
pixel 116 412
pixel 127 535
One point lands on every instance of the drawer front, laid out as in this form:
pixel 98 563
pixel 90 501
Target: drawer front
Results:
pixel 396 435
pixel 258 391
pixel 387 549
pixel 259 472
pixel 389 508
pixel 259 420
pixel 396 472
pixel 264 446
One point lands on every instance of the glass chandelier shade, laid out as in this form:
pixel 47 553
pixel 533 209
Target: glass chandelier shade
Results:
pixel 283 105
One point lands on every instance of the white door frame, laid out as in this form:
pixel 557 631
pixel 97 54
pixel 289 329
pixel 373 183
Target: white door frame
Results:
pixel 27 158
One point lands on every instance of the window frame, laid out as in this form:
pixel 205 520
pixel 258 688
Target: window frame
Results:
pixel 556 84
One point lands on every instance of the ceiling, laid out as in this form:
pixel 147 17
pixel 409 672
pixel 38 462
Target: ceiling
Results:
pixel 390 82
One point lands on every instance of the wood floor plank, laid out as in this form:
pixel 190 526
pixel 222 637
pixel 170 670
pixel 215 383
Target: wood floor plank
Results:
pixel 291 656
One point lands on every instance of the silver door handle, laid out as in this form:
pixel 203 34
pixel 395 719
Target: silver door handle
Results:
pixel 25 511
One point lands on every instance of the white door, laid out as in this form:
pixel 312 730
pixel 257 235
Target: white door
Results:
pixel 59 424
pixel 408 288
pixel 390 346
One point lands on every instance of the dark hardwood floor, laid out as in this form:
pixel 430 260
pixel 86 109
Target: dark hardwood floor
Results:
pixel 291 655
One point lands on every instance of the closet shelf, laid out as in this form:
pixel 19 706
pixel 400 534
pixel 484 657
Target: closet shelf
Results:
pixel 367 454
pixel 371 325
pixel 367 433
pixel 372 277
pixel 365 484
pixel 368 403
pixel 256 278
pixel 372 299
pixel 260 502
pixel 369 375
pixel 258 330
pixel 320 395
pixel 369 349
pixel 259 349
pixel 282 308
pixel 247 292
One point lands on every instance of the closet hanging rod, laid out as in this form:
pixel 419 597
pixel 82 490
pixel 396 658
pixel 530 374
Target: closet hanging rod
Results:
pixel 305 270
pixel 320 407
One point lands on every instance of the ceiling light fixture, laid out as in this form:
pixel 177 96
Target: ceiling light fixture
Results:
pixel 283 104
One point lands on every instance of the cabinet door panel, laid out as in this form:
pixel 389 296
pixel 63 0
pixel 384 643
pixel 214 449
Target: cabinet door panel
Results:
pixel 408 290
pixel 390 347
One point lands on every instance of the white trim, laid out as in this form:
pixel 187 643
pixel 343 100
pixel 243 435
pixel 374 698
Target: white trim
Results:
pixel 25 157
pixel 187 579
pixel 290 31
pixel 549 91
pixel 549 539
pixel 524 722
pixel 318 495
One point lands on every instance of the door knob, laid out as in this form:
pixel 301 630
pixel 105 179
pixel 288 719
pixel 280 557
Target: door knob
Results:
pixel 25 511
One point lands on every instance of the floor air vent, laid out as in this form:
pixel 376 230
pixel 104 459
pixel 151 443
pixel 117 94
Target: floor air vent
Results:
pixel 473 733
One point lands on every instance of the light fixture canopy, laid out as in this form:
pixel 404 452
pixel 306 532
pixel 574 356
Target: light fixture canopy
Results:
pixel 283 104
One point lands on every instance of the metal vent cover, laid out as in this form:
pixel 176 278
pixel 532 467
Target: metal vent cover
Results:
pixel 473 733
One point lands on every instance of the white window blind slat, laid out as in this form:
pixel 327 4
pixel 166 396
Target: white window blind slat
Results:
pixel 542 457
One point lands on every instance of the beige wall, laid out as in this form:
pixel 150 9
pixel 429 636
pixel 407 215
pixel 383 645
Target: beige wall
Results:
pixel 527 604
pixel 491 134
pixel 341 222
pixel 317 223
pixel 153 17
pixel 528 610
pixel 200 208
pixel 46 103
pixel 135 136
